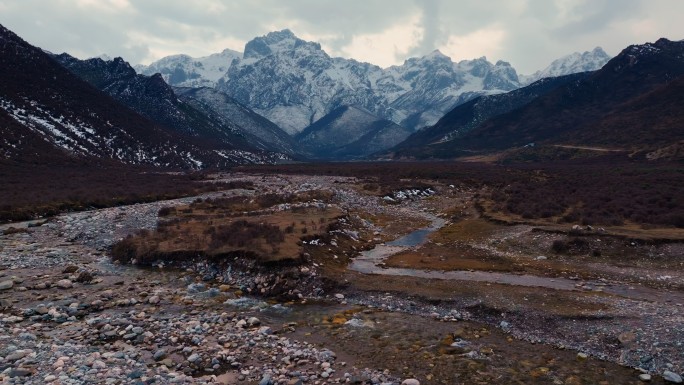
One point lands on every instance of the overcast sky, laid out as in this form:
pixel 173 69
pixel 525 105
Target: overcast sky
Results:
pixel 527 33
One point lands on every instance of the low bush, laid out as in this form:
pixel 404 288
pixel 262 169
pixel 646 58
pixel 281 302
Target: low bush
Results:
pixel 560 246
pixel 599 191
pixel 243 233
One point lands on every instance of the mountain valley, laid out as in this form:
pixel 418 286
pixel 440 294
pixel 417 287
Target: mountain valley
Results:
pixel 279 216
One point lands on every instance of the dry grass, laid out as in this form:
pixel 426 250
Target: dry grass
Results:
pixel 475 229
pixel 214 228
pixel 463 258
pixel 393 226
pixel 197 235
pixel 628 230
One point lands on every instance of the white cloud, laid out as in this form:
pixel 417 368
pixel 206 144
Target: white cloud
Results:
pixel 527 33
pixel 483 42
pixel 384 47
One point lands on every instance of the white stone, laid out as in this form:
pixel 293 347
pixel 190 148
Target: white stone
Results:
pixel 672 377
pixel 410 381
pixel 64 284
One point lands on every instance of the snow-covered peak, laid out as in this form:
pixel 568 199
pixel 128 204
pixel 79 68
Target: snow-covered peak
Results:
pixel 184 70
pixel 501 76
pixel 276 42
pixel 103 56
pixel 432 60
pixel 436 55
pixel 570 64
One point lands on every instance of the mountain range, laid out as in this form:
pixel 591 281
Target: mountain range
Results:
pixel 286 99
pixel 634 104
pixel 294 83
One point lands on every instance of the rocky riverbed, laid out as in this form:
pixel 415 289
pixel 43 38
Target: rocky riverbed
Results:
pixel 70 316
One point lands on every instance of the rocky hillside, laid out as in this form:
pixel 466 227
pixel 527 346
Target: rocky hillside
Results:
pixel 258 131
pixel 349 132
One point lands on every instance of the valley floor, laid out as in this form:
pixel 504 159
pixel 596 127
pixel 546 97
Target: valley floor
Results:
pixel 466 300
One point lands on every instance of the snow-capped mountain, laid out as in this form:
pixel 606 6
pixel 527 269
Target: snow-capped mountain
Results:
pixel 570 64
pixel 432 85
pixel 103 56
pixel 186 71
pixel 293 82
pixel 349 132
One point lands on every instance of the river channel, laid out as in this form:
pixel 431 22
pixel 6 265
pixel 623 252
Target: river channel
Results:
pixel 372 262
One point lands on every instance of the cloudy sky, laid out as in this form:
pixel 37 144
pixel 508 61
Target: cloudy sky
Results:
pixel 527 33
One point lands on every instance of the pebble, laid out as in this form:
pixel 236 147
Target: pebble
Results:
pixel 410 381
pixel 159 355
pixel 99 365
pixel 64 284
pixel 645 377
pixel 16 356
pixel 20 372
pixel 155 332
pixel 673 377
pixel 266 380
pixel 6 285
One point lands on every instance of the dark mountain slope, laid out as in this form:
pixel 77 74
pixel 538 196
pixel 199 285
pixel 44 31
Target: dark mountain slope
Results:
pixel 154 99
pixel 46 100
pixel 470 115
pixel 19 145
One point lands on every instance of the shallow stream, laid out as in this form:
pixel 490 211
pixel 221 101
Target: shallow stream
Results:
pixel 371 262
